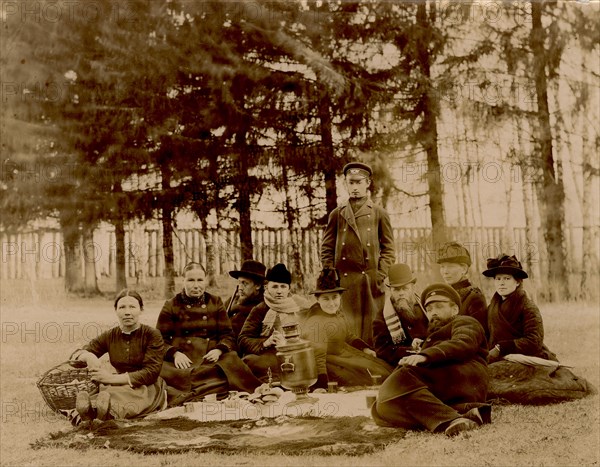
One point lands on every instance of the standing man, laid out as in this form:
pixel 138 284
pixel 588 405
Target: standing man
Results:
pixel 455 260
pixel 443 387
pixel 359 243
pixel 399 329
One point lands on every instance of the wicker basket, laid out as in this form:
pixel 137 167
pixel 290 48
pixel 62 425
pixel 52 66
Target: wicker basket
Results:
pixel 59 385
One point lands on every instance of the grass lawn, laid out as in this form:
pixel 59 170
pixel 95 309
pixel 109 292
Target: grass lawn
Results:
pixel 41 334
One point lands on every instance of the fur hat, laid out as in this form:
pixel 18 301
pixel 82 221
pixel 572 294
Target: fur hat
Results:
pixel 505 264
pixel 254 270
pixel 453 252
pixel 279 273
pixel 328 281
pixel 440 292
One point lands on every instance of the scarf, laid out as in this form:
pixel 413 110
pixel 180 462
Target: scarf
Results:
pixel 392 320
pixel 280 312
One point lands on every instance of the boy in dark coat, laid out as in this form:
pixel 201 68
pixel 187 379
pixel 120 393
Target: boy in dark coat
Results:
pixel 443 387
pixel 359 242
pixel 455 260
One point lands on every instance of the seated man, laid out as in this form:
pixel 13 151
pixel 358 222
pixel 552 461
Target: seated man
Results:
pixel 443 387
pixel 402 319
pixel 455 260
pixel 248 294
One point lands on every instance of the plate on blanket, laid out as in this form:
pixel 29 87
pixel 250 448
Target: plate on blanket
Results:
pixel 288 435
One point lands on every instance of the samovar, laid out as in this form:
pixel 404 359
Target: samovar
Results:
pixel 297 362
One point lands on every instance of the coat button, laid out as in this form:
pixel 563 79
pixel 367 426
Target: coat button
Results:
pixel 369 229
pixel 203 306
pixel 343 243
pixel 188 341
pixel 368 244
pixel 204 318
pixel 345 274
pixel 344 258
pixel 363 272
pixel 188 306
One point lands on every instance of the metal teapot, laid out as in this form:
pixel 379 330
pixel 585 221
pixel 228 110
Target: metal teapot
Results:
pixel 297 362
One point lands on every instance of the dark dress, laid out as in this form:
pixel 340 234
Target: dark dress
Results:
pixel 346 362
pixel 472 303
pixel 413 329
pixel 195 327
pixel 140 355
pixel 516 325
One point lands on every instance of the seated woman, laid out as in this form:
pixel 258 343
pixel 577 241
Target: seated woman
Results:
pixel 515 322
pixel 136 353
pixel 201 356
pixel 263 331
pixel 350 361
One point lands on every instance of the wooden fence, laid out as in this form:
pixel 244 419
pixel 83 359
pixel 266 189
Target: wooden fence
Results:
pixel 40 254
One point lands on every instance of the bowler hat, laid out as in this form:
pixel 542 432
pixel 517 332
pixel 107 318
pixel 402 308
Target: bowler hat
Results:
pixel 439 292
pixel 453 252
pixel 251 269
pixel 400 274
pixel 358 168
pixel 279 273
pixel 328 281
pixel 505 264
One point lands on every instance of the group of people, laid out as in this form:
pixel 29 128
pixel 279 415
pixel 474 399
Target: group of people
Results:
pixel 430 350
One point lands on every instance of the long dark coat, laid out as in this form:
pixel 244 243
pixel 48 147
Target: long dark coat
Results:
pixel 516 325
pixel 195 328
pixel 238 313
pixel 456 367
pixel 361 246
pixel 346 362
pixel 472 303
pixel 382 340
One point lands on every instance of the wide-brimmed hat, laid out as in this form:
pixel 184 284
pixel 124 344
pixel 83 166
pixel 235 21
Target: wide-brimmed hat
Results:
pixel 453 252
pixel 251 269
pixel 279 273
pixel 400 274
pixel 358 169
pixel 505 264
pixel 328 281
pixel 439 292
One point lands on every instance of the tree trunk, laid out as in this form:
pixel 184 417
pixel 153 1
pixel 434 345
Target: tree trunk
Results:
pixel 552 195
pixel 589 259
pixel 295 242
pixel 329 168
pixel 428 131
pixel 210 254
pixel 74 281
pixel 243 202
pixel 90 256
pixel 121 278
pixel 167 229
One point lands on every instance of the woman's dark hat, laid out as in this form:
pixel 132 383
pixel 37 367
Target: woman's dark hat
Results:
pixel 400 274
pixel 279 273
pixel 251 269
pixel 328 281
pixel 505 264
pixel 453 252
pixel 440 292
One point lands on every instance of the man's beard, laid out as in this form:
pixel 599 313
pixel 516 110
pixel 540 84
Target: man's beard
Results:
pixel 436 323
pixel 405 309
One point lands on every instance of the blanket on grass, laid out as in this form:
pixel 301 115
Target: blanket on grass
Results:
pixel 281 435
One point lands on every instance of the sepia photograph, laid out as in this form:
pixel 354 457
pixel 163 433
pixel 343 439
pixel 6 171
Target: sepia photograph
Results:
pixel 300 232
